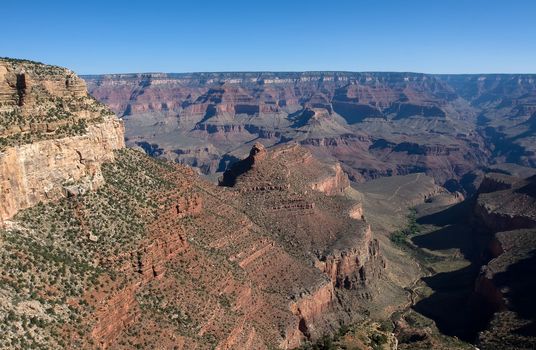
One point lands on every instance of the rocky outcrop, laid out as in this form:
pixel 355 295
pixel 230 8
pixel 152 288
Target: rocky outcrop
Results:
pixel 356 212
pixel 334 184
pixel 189 205
pixel 256 155
pixel 115 314
pixel 289 188
pixel 501 221
pixel 496 182
pixel 506 208
pixel 19 77
pixel 50 163
pixel 356 265
pixel 147 262
pixel 310 308
pixel 42 171
pixel 39 101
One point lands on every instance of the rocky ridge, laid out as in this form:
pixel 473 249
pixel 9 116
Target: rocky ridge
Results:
pixel 156 261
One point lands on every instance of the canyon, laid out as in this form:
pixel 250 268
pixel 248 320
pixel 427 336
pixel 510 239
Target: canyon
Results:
pixel 265 210
pixel 450 127
pixel 104 247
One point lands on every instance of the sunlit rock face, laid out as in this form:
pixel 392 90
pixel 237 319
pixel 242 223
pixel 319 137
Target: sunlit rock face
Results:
pixel 53 135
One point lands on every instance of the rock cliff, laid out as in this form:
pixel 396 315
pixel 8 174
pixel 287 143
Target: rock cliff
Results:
pixel 53 136
pixel 353 266
pixel 304 202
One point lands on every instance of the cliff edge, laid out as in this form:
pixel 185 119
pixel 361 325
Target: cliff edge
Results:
pixel 53 135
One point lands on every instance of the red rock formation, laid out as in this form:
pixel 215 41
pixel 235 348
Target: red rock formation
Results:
pixel 114 314
pixel 47 101
pixel 355 266
pixel 310 308
pixel 333 184
pixel 118 311
pixel 190 205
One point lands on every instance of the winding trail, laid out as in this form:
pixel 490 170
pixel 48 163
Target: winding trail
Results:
pixel 395 193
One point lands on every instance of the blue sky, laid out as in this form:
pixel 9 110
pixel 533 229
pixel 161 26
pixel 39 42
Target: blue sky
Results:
pixel 432 36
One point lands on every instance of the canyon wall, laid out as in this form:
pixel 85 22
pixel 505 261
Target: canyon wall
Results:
pixel 506 210
pixel 334 184
pixel 355 264
pixel 47 170
pixel 54 136
pixel 376 124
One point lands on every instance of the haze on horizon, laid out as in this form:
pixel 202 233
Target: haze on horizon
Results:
pixel 450 36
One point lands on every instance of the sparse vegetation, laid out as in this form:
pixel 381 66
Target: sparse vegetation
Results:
pixel 47 260
pixel 412 228
pixel 358 336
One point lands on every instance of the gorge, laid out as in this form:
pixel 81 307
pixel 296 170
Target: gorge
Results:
pixel 266 210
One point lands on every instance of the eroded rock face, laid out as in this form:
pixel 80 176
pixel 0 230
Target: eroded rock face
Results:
pixel 189 205
pixel 46 156
pixel 334 184
pixel 287 190
pixel 18 78
pixel 40 172
pixel 148 262
pixel 115 315
pixel 355 266
pixel 310 309
pixel 507 209
pixel 39 101
pixel 256 155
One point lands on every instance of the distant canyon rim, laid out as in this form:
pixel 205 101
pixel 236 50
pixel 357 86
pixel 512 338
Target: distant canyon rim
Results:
pixel 451 127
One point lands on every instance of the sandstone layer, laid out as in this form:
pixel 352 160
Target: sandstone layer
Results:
pixel 60 138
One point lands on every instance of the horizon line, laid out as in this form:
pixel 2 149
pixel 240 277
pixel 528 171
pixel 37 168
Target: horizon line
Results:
pixel 296 72
pixel 265 71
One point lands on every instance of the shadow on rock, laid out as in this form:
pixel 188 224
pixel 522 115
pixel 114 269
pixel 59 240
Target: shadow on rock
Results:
pixel 453 306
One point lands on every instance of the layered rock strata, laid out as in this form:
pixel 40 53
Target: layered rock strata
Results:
pixel 60 138
pixel 376 124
